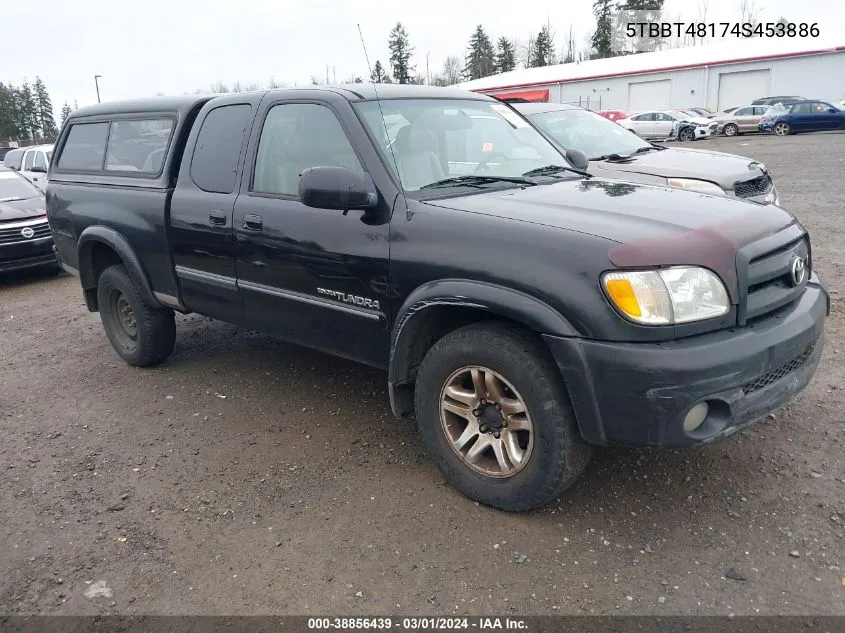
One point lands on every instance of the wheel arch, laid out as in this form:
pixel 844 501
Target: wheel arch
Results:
pixel 437 308
pixel 100 247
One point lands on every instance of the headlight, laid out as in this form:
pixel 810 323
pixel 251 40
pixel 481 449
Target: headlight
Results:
pixel 701 186
pixel 665 297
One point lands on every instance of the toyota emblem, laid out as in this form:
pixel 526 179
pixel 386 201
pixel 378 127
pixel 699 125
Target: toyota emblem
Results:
pixel 799 270
pixel 27 232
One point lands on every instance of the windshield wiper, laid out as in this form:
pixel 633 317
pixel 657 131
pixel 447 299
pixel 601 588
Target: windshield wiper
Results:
pixel 11 199
pixel 647 148
pixel 548 170
pixel 475 180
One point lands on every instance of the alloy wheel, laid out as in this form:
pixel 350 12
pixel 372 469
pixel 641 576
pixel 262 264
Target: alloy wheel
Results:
pixel 782 129
pixel 486 421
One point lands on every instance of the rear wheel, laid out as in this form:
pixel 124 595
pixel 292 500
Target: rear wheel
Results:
pixel 140 333
pixel 783 129
pixel 496 419
pixel 731 130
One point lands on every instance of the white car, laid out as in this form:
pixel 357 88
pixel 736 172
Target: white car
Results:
pixel 36 162
pixel 660 124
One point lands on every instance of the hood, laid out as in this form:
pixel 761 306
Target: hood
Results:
pixel 698 120
pixel 620 211
pixel 654 226
pixel 723 169
pixel 22 209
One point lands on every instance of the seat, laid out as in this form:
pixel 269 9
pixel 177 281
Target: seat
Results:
pixel 415 149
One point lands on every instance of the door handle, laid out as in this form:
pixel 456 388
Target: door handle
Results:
pixel 217 217
pixel 253 222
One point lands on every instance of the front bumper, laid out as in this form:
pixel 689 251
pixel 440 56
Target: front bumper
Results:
pixel 765 127
pixel 26 253
pixel 637 394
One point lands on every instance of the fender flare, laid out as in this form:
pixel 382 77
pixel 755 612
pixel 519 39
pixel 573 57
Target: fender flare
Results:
pixel 499 300
pixel 119 245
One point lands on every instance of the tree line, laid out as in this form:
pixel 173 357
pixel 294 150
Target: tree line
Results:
pixel 26 112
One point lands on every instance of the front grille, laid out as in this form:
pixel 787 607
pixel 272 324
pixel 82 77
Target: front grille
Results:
pixel 11 235
pixel 770 283
pixel 754 187
pixel 784 370
pixel 714 127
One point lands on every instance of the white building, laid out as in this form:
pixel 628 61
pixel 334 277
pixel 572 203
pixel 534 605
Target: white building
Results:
pixel 719 75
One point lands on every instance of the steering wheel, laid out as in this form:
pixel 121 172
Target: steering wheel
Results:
pixel 483 164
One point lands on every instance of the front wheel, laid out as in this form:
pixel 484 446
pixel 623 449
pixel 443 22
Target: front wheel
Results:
pixel 731 130
pixel 496 419
pixel 686 135
pixel 140 333
pixel 783 129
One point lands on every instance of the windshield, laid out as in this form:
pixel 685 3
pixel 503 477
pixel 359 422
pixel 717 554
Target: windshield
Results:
pixel 591 133
pixel 14 187
pixel 435 139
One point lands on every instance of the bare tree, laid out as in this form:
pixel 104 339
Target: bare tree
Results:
pixel 452 69
pixel 274 83
pixel 569 54
pixel 525 51
pixel 236 87
pixel 252 86
pixel 219 87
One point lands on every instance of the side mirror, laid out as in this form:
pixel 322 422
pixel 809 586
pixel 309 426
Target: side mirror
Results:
pixel 577 159
pixel 336 188
pixel 832 110
pixel 38 169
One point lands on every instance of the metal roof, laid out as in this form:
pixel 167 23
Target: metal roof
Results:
pixel 724 52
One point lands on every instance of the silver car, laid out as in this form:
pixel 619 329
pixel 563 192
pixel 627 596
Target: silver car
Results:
pixel 741 120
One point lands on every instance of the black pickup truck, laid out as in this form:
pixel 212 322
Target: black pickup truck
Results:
pixel 522 309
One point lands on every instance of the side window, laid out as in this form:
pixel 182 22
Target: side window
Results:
pixel 138 145
pixel 642 117
pixel 802 108
pixel 40 160
pixel 297 136
pixel 758 111
pixel 85 147
pixel 29 160
pixel 743 112
pixel 214 164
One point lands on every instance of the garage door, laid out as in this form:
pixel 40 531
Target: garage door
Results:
pixel 741 88
pixel 650 95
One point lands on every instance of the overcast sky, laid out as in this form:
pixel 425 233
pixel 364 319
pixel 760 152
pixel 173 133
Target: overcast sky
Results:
pixel 146 47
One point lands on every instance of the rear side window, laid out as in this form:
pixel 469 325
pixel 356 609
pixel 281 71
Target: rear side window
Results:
pixel 40 160
pixel 85 147
pixel 29 160
pixel 138 145
pixel 214 164
pixel 14 159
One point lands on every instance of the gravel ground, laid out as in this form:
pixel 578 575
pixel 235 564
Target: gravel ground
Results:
pixel 248 476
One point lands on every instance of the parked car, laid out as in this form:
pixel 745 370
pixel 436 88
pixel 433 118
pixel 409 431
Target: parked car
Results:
pixel 774 100
pixel 741 120
pixel 661 124
pixel 803 116
pixel 614 152
pixel 5 149
pixel 621 313
pixel 36 162
pixel 614 115
pixel 686 131
pixel 14 159
pixel 25 240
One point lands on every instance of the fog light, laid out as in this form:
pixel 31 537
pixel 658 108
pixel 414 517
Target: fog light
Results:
pixel 696 416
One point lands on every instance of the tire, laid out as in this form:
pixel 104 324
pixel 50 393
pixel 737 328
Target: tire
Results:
pixel 782 129
pixel 730 130
pixel 686 135
pixel 141 334
pixel 553 455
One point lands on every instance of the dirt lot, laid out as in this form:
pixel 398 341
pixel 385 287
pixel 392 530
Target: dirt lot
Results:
pixel 247 476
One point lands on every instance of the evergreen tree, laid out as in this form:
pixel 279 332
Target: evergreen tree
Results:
pixel 505 55
pixel 649 11
pixel 544 49
pixel 44 109
pixel 481 58
pixel 8 120
pixel 378 75
pixel 66 110
pixel 29 112
pixel 602 39
pixel 400 54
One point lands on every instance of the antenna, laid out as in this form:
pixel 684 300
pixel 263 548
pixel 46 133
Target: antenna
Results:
pixel 381 112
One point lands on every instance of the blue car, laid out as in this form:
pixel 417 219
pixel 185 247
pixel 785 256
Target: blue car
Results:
pixel 803 116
